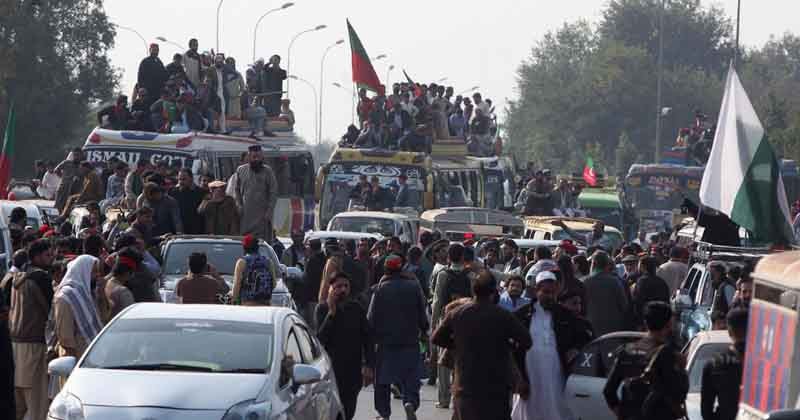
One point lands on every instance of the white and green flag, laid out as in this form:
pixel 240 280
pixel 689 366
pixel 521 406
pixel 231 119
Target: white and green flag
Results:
pixel 743 177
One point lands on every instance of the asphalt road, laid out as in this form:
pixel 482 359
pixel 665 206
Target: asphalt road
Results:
pixel 427 411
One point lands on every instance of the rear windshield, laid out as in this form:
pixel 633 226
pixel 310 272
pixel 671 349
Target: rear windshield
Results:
pixel 193 344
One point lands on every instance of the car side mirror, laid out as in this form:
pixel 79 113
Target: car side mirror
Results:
pixel 682 301
pixel 305 374
pixel 62 366
pixel 294 273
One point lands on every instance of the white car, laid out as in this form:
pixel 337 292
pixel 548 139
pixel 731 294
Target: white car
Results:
pixel 36 217
pixel 198 362
pixel 322 235
pixel 700 350
pixel 383 223
pixel 589 372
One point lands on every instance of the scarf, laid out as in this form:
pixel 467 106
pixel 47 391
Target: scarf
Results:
pixel 76 290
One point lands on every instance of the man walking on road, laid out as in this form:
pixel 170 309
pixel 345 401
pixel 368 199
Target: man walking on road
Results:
pixel 397 317
pixel 722 376
pixel 345 334
pixel 606 303
pixel 482 356
pixel 256 195
pixel 674 271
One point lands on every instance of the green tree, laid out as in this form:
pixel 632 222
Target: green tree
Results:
pixel 55 66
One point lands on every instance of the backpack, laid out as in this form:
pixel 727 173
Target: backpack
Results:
pixel 257 282
pixel 458 285
pixel 637 390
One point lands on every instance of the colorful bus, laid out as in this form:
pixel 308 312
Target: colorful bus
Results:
pixel 218 156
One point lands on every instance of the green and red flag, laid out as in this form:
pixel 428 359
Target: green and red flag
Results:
pixel 7 152
pixel 364 75
pixel 588 172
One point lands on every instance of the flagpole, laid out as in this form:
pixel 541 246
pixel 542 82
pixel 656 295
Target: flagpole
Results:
pixel 738 26
pixel 660 80
pixel 353 106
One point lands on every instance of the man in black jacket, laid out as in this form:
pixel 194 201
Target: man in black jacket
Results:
pixel 398 319
pixel 189 196
pixel 722 376
pixel 308 293
pixel 152 74
pixel 345 334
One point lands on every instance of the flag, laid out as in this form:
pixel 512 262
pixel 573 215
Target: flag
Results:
pixel 588 172
pixel 417 88
pixel 7 152
pixel 364 75
pixel 743 178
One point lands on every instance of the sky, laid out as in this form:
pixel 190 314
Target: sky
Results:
pixel 469 42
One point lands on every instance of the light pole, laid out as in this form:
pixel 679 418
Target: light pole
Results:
pixel 316 104
pixel 379 57
pixel 660 80
pixel 165 40
pixel 388 72
pixel 144 41
pixel 258 22
pixel 443 79
pixel 219 7
pixel 321 85
pixel 738 26
pixel 289 53
pixel 472 89
pixel 352 95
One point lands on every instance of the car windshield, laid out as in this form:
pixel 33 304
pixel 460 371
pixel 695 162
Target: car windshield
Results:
pixel 381 226
pixel 221 255
pixel 701 357
pixel 183 344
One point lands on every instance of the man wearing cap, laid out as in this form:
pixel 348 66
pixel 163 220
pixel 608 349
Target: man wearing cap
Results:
pixel 557 338
pixel 219 211
pixel 152 73
pixel 398 318
pixel 256 194
pixel 403 194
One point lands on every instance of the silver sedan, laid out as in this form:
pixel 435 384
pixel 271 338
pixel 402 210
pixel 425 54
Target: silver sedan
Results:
pixel 162 361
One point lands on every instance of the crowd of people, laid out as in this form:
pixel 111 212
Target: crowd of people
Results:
pixel 201 92
pixel 413 115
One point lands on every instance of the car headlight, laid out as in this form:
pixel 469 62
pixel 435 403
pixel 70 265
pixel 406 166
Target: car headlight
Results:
pixel 281 300
pixel 66 406
pixel 247 410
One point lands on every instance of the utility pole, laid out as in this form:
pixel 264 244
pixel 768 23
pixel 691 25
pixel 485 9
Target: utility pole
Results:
pixel 660 79
pixel 738 26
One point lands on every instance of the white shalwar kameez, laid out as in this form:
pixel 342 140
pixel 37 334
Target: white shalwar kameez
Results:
pixel 546 400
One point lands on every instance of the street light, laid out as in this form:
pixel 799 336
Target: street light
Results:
pixel 472 89
pixel 379 57
pixel 660 79
pixel 258 22
pixel 289 53
pixel 352 94
pixel 316 103
pixel 146 46
pixel 219 7
pixel 321 86
pixel 388 72
pixel 165 40
pixel 443 79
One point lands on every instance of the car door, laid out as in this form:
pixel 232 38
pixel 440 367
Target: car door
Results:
pixel 299 398
pixel 588 374
pixel 322 392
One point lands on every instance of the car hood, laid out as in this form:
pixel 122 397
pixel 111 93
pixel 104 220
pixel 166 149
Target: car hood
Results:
pixel 179 390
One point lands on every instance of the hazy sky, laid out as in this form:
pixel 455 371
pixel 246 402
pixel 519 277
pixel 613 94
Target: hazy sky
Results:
pixel 469 42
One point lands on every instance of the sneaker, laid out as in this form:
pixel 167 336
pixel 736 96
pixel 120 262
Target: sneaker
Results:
pixel 410 411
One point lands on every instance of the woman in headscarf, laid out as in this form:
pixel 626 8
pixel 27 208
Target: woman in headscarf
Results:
pixel 76 318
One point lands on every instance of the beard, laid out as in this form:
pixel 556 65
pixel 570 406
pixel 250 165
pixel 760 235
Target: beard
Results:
pixel 257 165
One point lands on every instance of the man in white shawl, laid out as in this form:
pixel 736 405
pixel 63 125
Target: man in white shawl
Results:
pixel 75 313
pixel 557 337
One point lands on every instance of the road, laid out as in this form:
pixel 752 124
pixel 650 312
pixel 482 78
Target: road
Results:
pixel 427 411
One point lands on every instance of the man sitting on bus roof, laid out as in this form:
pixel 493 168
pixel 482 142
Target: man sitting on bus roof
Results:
pixel 116 116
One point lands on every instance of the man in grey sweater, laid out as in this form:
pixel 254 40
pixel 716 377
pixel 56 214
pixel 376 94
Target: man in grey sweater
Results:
pixel 606 303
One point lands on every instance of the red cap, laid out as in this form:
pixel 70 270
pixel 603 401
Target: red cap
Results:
pixel 248 241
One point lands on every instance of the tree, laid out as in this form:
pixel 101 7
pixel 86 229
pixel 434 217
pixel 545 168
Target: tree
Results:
pixel 55 65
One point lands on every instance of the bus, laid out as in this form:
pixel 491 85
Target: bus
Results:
pixel 437 180
pixel 218 156
pixel 654 193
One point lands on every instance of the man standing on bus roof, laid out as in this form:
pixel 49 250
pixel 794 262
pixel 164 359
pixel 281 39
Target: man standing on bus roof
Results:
pixel 68 171
pixel 191 64
pixel 152 73
pixel 256 195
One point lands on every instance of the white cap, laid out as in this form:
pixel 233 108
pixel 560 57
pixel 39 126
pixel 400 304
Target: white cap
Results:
pixel 545 276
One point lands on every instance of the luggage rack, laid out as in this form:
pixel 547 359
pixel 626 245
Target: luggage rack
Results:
pixel 708 251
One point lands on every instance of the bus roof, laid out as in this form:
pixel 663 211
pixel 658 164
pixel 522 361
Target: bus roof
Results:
pixel 665 169
pixel 472 215
pixel 599 199
pixel 391 157
pixel 190 142
pixel 781 269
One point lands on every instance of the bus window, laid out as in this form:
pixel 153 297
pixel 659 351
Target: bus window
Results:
pixel 782 297
pixel 226 166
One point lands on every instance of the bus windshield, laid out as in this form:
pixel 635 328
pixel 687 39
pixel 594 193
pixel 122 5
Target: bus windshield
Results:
pixel 338 190
pixel 661 191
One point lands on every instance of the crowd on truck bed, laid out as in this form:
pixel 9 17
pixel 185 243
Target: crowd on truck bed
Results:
pixel 415 115
pixel 201 92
